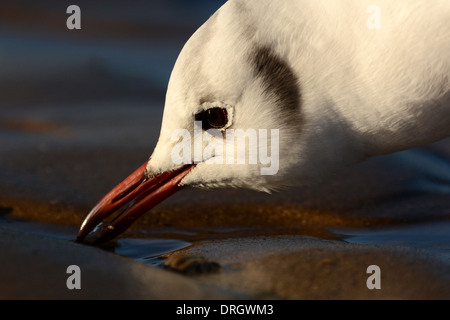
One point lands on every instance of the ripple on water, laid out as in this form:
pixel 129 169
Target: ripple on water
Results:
pixel 433 238
pixel 148 251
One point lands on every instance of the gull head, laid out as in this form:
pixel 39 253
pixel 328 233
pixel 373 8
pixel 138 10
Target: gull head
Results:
pixel 239 113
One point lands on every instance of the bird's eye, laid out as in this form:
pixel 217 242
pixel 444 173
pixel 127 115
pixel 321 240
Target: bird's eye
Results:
pixel 214 118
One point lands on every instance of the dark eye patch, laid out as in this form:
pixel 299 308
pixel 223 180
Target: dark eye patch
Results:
pixel 278 78
pixel 213 118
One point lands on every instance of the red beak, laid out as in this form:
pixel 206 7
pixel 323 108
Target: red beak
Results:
pixel 135 196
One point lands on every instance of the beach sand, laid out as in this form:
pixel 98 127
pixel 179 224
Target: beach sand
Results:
pixel 295 244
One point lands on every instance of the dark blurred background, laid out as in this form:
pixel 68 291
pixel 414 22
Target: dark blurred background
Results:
pixel 74 101
pixel 125 49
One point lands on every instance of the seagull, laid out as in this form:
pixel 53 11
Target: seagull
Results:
pixel 339 81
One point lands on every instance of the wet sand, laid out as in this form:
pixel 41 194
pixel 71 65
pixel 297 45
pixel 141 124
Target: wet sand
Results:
pixel 250 267
pixel 34 267
pixel 295 244
pixel 67 140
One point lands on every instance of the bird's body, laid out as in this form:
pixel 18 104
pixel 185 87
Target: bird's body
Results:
pixel 341 80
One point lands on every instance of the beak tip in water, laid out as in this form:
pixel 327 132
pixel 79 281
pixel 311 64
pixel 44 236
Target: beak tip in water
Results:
pixel 138 195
